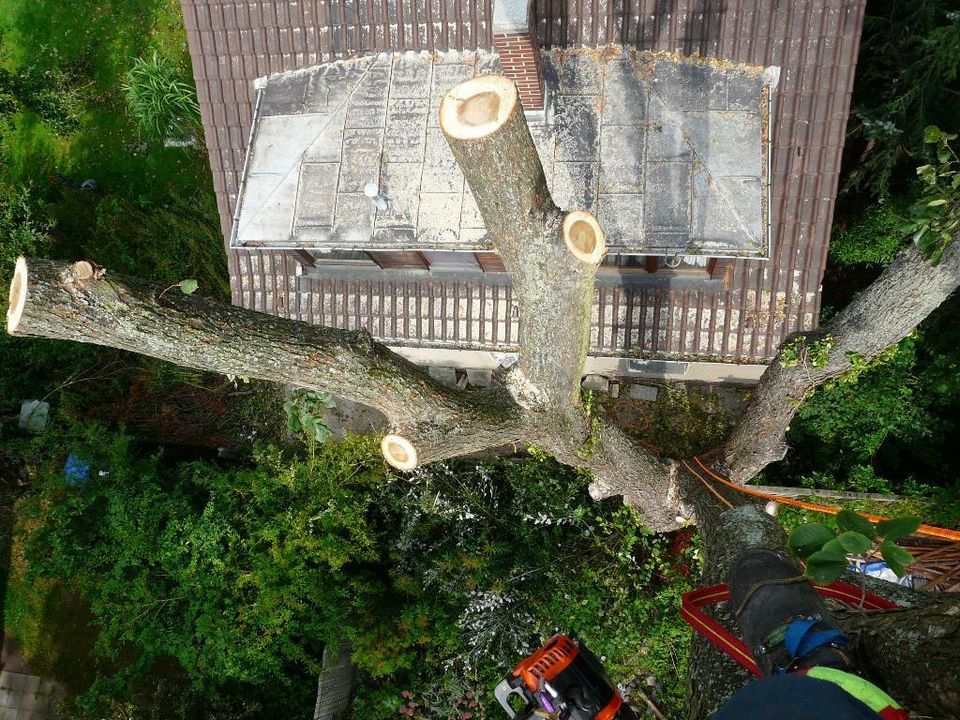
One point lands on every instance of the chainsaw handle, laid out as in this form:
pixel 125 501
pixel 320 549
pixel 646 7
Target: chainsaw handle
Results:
pixel 506 688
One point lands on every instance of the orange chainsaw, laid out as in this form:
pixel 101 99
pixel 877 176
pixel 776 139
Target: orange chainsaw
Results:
pixel 561 680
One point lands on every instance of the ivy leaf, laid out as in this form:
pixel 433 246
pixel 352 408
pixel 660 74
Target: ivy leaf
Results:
pixel 189 286
pixel 825 567
pixel 809 538
pixel 897 528
pixel 855 543
pixel 896 557
pixel 321 432
pixel 849 520
pixel 931 134
pixel 326 400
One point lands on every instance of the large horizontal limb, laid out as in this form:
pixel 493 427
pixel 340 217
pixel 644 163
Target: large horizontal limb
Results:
pixel 80 303
pixel 883 314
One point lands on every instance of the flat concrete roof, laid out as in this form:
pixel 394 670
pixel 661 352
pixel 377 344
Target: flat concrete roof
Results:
pixel 670 153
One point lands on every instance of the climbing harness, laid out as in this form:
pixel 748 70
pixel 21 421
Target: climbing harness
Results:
pixel 693 602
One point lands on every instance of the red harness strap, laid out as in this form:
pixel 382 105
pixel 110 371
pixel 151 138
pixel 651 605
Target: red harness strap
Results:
pixel 690 609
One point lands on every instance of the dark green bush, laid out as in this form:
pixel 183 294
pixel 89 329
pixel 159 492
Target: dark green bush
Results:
pixel 874 238
pixel 240 576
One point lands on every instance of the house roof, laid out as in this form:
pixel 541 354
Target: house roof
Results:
pixel 814 42
pixel 670 153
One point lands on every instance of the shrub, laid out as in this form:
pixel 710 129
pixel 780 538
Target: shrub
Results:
pixel 873 239
pixel 23 230
pixel 164 106
pixel 438 580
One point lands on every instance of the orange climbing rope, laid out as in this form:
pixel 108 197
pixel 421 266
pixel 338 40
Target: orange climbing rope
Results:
pixel 707 485
pixel 926 530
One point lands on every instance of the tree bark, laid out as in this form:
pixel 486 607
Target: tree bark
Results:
pixel 883 314
pixel 915 651
pixel 618 465
pixel 552 257
pixel 912 653
pixel 61 301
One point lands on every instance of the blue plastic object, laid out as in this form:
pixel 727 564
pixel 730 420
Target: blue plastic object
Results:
pixel 76 471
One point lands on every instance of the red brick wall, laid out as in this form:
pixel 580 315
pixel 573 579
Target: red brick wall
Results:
pixel 521 63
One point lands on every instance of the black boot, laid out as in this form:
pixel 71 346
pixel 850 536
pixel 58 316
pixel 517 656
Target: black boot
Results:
pixel 769 594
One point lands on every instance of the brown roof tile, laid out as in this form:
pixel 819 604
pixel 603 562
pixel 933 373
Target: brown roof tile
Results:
pixel 814 42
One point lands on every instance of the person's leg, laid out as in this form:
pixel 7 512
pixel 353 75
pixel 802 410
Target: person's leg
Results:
pixel 810 674
pixel 794 697
pixel 784 622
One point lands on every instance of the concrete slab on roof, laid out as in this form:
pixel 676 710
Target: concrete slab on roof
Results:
pixel 671 153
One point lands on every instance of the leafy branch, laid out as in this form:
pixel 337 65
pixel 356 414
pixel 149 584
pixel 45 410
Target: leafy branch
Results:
pixel 827 551
pixel 935 217
pixel 304 412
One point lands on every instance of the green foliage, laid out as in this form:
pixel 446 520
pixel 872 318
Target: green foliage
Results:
pixel 189 286
pixel 23 231
pixel 897 528
pixel 51 93
pixel 239 576
pixel 164 106
pixel 809 538
pixel 874 238
pixel 304 412
pixel 887 425
pixel 827 552
pixel 896 557
pixel 805 351
pixel 167 241
pixel 684 423
pixel 907 79
pixel 588 400
pixel 935 216
pixel 849 521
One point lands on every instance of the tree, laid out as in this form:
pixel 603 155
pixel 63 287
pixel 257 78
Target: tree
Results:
pixel 552 257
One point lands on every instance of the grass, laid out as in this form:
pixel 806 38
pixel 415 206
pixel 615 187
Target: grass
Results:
pixel 154 212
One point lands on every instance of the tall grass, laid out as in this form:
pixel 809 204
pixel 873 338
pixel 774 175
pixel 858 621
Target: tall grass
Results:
pixel 164 106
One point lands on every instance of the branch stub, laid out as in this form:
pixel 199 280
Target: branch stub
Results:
pixel 82 270
pixel 478 107
pixel 584 237
pixel 399 452
pixel 18 295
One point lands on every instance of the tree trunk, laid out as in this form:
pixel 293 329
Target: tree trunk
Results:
pixel 883 314
pixel 911 653
pixel 916 652
pixel 552 257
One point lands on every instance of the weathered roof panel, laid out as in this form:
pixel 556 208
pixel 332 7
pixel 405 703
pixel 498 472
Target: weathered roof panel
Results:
pixel 671 153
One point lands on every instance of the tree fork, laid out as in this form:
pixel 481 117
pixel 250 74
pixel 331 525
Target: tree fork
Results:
pixel 78 302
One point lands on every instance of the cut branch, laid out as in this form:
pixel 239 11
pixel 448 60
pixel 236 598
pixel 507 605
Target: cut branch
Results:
pixel 61 301
pixel 886 312
pixel 552 259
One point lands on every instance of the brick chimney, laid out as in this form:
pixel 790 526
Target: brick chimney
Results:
pixel 514 39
